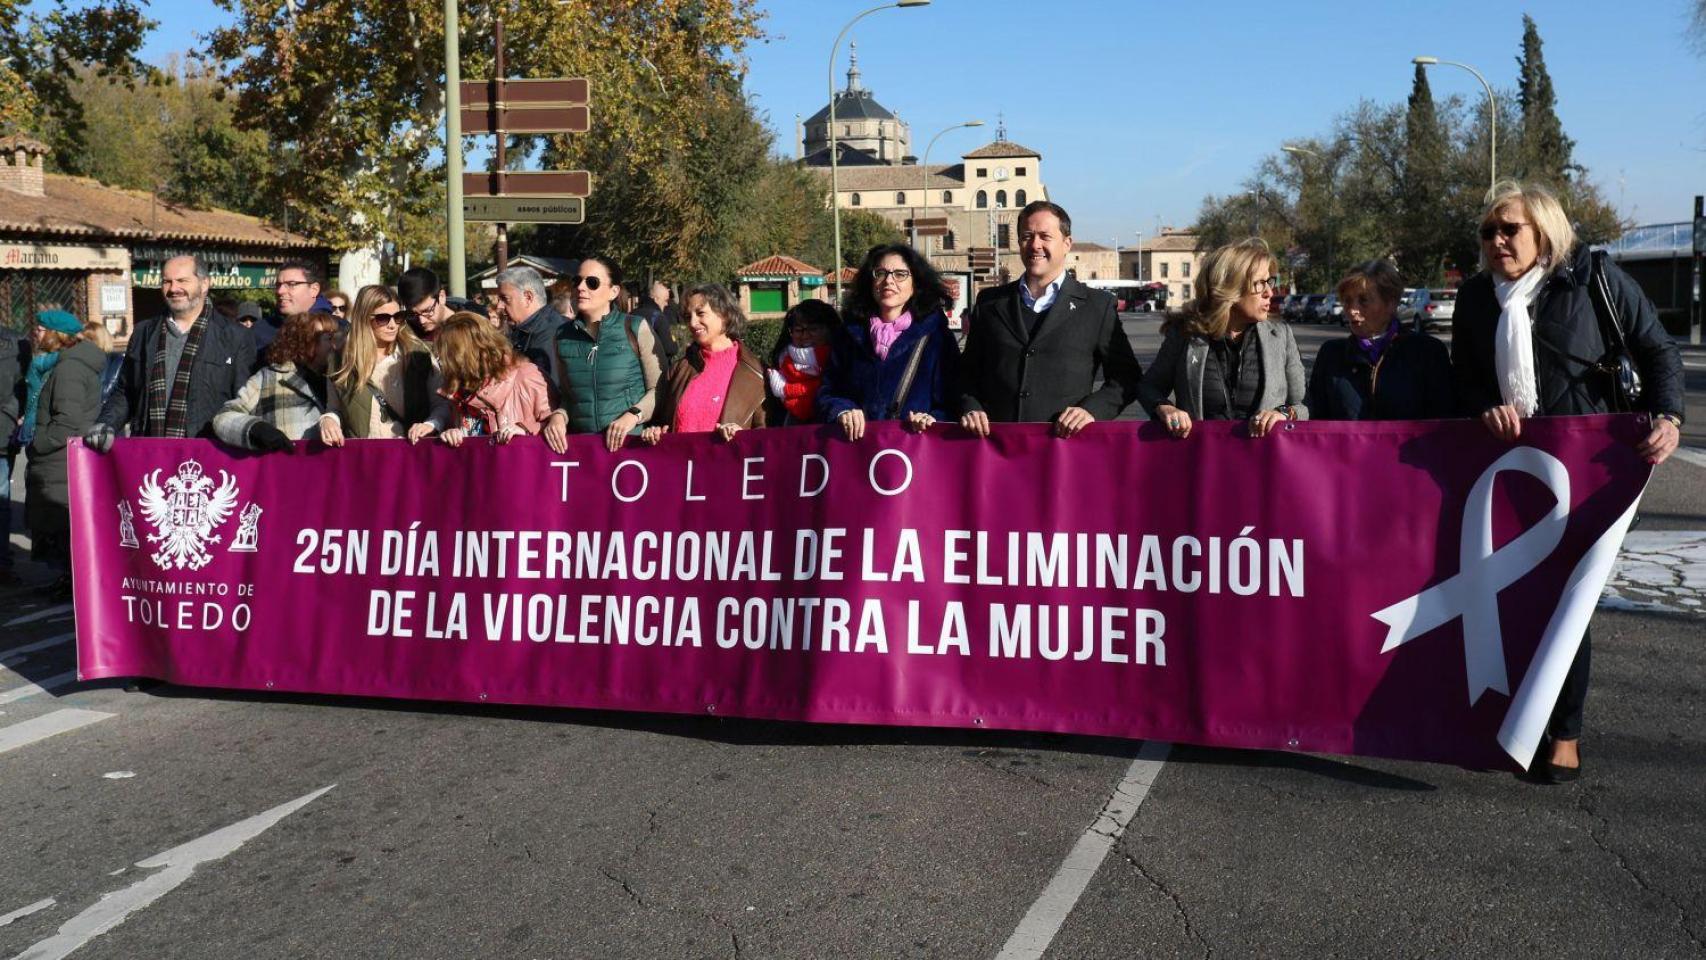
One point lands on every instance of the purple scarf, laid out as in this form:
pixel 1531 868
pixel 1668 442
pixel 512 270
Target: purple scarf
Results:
pixel 883 335
pixel 1372 349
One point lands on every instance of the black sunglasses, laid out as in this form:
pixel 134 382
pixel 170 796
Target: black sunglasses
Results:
pixel 592 283
pixel 1506 230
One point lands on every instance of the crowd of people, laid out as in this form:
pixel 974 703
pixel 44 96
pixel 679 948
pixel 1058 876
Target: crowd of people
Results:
pixel 1547 328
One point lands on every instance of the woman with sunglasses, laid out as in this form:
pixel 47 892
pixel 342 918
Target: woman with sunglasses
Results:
pixel 719 384
pixel 894 357
pixel 1381 370
pixel 1528 340
pixel 386 383
pixel 605 363
pixel 1219 359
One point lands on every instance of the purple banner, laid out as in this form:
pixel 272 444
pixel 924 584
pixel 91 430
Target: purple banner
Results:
pixel 1390 589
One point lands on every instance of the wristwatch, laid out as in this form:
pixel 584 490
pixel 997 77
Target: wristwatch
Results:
pixel 1675 420
pixel 634 410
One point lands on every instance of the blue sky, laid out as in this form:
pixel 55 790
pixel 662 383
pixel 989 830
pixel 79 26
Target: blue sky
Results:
pixel 1139 108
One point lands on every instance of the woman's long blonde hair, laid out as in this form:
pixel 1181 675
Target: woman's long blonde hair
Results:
pixel 361 350
pixel 1223 279
pixel 471 353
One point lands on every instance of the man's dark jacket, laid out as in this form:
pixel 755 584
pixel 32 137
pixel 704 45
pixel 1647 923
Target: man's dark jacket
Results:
pixel 222 365
pixel 1015 378
pixel 1564 322
pixel 536 339
pixel 14 364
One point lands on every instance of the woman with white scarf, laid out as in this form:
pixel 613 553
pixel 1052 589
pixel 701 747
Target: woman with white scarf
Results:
pixel 1526 341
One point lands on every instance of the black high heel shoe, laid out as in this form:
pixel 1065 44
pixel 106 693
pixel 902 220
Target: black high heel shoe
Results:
pixel 1553 773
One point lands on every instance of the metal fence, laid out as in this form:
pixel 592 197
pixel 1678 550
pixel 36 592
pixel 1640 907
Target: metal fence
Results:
pixel 23 292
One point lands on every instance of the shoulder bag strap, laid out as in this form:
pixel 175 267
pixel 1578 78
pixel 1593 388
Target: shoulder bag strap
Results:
pixel 1610 323
pixel 906 379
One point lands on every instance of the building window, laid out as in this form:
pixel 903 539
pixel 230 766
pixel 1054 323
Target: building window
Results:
pixel 948 240
pixel 1004 236
pixel 947 196
pixel 982 172
pixel 1164 263
pixel 1019 199
pixel 1019 172
pixel 900 198
pixel 1136 270
pixel 1185 268
pixel 1001 198
pixel 982 199
pixel 856 203
pixel 846 130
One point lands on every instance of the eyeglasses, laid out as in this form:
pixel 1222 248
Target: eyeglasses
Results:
pixel 900 276
pixel 591 283
pixel 284 284
pixel 1506 230
pixel 338 309
pixel 427 314
pixel 1265 285
pixel 385 319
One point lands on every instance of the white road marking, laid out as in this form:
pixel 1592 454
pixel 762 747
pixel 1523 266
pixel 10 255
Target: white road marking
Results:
pixel 23 912
pixel 1040 924
pixel 1693 455
pixel 36 689
pixel 1659 570
pixel 175 866
pixel 48 725
pixel 119 775
pixel 16 654
pixel 47 614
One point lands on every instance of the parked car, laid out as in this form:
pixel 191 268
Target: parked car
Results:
pixel 1312 308
pixel 1293 309
pixel 1429 308
pixel 1276 304
pixel 1334 309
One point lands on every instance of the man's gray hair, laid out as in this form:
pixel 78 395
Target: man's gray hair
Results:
pixel 525 279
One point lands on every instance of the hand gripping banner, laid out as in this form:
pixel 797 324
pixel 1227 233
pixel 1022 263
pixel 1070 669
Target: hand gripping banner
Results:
pixel 1332 587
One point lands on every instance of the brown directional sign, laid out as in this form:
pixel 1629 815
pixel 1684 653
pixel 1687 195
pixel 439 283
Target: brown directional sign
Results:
pixel 557 91
pixel 925 222
pixel 529 183
pixel 932 231
pixel 529 119
pixel 525 209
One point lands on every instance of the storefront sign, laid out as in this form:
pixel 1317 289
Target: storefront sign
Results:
pixel 45 256
pixel 223 276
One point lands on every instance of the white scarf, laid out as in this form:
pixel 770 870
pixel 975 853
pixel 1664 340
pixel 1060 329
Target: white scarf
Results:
pixel 1513 343
pixel 805 360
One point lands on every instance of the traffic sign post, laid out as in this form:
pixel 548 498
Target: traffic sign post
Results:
pixel 528 183
pixel 927 226
pixel 1695 320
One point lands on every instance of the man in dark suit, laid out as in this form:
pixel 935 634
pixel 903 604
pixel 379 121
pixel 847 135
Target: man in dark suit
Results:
pixel 1036 345
pixel 178 369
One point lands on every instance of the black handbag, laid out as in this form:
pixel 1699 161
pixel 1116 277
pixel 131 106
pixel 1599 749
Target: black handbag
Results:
pixel 1617 365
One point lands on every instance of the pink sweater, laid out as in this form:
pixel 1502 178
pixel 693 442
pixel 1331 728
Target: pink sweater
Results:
pixel 702 404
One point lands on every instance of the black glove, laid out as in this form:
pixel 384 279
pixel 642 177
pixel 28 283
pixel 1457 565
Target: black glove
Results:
pixel 267 438
pixel 99 438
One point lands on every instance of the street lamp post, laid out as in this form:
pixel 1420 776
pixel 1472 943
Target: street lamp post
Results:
pixel 453 151
pixel 924 186
pixel 834 160
pixel 1492 116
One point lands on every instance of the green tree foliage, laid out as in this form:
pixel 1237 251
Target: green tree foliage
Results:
pixel 1545 154
pixel 352 91
pixel 860 231
pixel 175 134
pixel 1406 181
pixel 43 49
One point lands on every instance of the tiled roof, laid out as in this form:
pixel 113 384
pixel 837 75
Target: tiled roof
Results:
pixel 779 265
pixel 853 105
pixel 1001 148
pixel 1173 243
pixel 942 177
pixel 1086 246
pixel 80 207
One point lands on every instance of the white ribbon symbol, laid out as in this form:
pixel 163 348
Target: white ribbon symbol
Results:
pixel 1483 572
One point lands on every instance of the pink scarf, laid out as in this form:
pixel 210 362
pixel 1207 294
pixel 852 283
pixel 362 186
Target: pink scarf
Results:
pixel 884 334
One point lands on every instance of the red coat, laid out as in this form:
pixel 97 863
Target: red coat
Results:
pixel 799 390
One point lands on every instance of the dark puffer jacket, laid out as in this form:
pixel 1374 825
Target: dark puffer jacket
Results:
pixel 70 401
pixel 1565 323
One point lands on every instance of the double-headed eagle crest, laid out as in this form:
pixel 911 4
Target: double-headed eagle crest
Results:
pixel 186 511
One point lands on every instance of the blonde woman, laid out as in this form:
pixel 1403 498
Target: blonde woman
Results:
pixel 493 391
pixel 1527 340
pixel 1220 359
pixel 386 383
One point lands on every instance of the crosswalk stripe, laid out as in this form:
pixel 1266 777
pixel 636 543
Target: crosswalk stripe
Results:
pixel 46 614
pixel 48 725
pixel 35 689
pixel 54 641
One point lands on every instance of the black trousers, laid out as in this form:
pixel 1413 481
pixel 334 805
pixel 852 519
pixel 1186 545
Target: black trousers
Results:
pixel 1566 722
